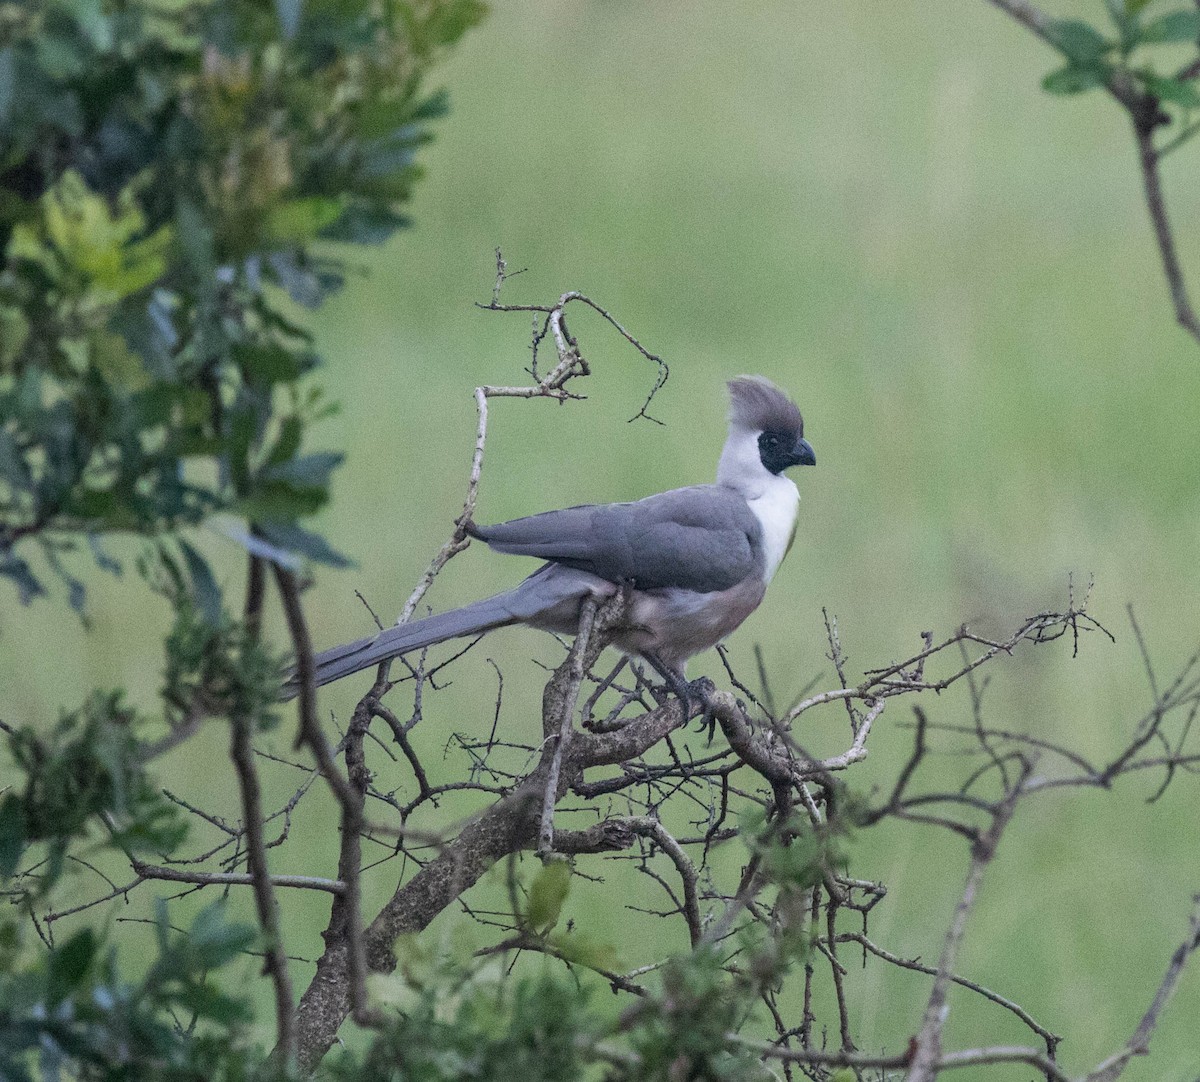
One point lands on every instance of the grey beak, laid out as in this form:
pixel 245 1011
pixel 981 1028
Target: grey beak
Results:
pixel 803 454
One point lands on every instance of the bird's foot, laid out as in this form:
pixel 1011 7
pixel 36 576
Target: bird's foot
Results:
pixel 701 691
pixel 696 697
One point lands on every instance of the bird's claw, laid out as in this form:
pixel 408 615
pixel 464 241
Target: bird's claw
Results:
pixel 701 691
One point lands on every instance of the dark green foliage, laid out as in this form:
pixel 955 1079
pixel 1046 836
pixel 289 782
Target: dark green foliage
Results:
pixel 87 768
pixel 169 174
pixel 214 664
pixel 474 1023
pixel 683 1032
pixel 473 1026
pixel 73 1012
pixel 174 176
pixel 472 1019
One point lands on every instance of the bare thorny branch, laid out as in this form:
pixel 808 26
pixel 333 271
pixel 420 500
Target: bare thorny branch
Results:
pixel 616 776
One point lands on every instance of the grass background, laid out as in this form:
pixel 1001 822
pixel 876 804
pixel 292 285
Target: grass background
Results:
pixel 877 207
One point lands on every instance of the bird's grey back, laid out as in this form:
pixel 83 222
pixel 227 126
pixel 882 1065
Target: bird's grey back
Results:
pixel 703 538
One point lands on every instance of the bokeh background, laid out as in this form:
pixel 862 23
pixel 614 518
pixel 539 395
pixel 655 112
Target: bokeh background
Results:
pixel 876 206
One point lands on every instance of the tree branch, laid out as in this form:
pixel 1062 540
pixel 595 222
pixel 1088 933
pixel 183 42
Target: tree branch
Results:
pixel 1148 159
pixel 927 1053
pixel 276 966
pixel 1139 1044
pixel 566 707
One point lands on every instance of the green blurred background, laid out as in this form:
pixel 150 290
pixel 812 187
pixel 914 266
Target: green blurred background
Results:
pixel 876 206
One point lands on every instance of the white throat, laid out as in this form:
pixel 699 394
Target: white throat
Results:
pixel 773 498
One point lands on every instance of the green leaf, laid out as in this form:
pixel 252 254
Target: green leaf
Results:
pixel 13 466
pixel 291 430
pixel 103 560
pixel 209 1002
pixel 448 22
pixel 214 940
pixel 195 237
pixel 1075 79
pixel 362 223
pixel 292 538
pixel 280 501
pixel 547 895
pixel 204 586
pixel 10 944
pixel 299 220
pixel 434 106
pixel 258 546
pixel 392 154
pixel 96 26
pixel 1172 90
pixel 308 470
pixel 594 954
pixel 114 360
pixel 14 567
pixel 1079 41
pixel 1135 7
pixel 267 362
pixel 302 285
pixel 69 965
pixel 12 835
pixel 96 239
pixel 1175 26
pixel 14 327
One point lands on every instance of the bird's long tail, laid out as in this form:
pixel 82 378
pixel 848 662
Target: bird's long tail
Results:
pixel 548 589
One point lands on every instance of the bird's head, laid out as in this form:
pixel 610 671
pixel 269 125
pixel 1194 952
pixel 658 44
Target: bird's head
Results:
pixel 757 407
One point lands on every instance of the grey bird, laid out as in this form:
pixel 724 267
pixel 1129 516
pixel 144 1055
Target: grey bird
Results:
pixel 696 561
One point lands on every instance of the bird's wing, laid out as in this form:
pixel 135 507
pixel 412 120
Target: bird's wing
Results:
pixel 703 538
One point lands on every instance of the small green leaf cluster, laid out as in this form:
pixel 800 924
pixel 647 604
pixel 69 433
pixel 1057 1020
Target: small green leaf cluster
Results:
pixel 1096 57
pixel 72 1014
pixel 214 664
pixel 172 178
pixel 470 1020
pixel 544 903
pixel 796 854
pixel 683 1031
pixel 472 1024
pixel 88 767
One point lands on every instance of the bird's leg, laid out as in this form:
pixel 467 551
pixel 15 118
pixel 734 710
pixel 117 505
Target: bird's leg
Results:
pixel 697 691
pixel 671 677
pixel 674 685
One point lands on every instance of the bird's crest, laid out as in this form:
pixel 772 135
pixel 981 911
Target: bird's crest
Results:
pixel 756 403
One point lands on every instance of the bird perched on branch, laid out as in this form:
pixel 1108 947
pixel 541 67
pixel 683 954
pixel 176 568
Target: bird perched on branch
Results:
pixel 696 561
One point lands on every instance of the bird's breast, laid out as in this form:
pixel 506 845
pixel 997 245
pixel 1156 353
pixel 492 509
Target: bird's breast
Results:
pixel 776 508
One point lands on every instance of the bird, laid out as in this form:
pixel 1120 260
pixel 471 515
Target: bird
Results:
pixel 696 561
